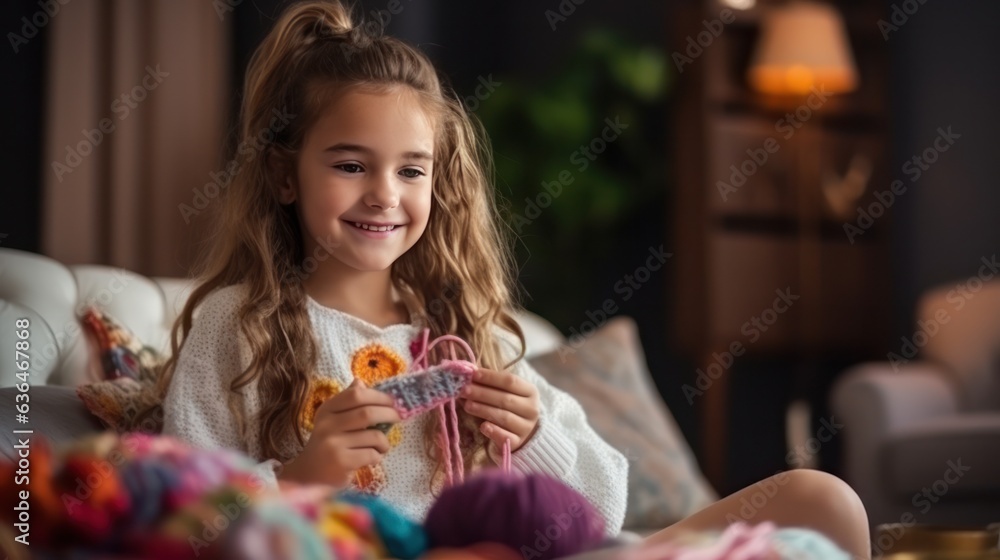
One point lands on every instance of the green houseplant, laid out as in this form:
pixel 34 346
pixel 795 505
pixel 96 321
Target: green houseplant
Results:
pixel 577 157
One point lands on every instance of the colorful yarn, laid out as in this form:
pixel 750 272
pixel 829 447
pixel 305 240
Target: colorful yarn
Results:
pixel 536 515
pixel 742 541
pixel 403 538
pixel 143 496
pixel 796 543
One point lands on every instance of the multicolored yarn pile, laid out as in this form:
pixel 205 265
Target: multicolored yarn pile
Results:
pixel 742 541
pixel 144 496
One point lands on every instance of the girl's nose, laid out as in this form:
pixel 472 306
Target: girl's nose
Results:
pixel 382 194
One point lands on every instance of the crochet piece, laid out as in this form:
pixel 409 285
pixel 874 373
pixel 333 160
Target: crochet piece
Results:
pixel 419 392
pixel 370 479
pixel 376 363
pixel 438 387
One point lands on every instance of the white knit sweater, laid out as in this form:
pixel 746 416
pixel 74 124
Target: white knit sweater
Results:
pixel 564 445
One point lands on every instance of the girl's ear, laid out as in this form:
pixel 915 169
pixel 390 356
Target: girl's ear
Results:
pixel 283 176
pixel 286 190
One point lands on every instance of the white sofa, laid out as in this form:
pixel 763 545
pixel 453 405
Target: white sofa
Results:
pixel 51 295
pixel 922 438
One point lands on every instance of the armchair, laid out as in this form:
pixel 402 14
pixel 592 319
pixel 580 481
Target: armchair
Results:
pixel 922 430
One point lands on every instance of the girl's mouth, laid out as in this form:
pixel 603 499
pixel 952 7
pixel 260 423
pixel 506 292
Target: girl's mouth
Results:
pixel 359 225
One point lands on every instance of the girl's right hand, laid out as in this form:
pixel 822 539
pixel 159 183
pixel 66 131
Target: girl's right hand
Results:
pixel 343 438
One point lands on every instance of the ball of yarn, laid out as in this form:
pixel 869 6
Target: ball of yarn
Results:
pixel 480 551
pixel 536 515
pixel 403 539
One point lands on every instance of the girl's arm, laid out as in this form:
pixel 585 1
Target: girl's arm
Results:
pixel 565 446
pixel 196 406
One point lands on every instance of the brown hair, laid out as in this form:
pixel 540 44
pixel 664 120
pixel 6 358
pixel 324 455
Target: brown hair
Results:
pixel 460 273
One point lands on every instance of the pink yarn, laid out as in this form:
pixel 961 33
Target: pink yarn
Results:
pixel 450 446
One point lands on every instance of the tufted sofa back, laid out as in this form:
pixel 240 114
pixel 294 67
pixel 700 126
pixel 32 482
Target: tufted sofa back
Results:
pixel 52 295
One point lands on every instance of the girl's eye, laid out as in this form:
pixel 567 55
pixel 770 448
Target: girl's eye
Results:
pixel 411 173
pixel 349 167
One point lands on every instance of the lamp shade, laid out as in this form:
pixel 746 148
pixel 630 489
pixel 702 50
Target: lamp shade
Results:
pixel 803 45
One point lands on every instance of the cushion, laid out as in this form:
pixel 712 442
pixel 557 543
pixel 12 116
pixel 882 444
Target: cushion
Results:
pixel 129 370
pixel 56 413
pixel 607 374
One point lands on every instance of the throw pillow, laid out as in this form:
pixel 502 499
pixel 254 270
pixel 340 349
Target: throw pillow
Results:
pixel 607 374
pixel 129 369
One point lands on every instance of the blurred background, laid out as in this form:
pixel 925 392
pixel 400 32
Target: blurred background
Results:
pixel 770 189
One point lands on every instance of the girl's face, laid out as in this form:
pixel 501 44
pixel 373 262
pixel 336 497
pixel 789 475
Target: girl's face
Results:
pixel 367 160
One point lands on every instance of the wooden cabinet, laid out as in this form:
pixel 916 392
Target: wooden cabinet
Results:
pixel 765 189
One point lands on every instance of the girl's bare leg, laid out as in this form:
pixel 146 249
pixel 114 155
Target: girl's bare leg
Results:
pixel 797 498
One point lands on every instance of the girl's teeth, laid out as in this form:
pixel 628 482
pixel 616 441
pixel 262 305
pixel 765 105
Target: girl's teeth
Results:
pixel 373 228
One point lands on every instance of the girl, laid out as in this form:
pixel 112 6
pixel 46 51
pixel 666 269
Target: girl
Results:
pixel 366 219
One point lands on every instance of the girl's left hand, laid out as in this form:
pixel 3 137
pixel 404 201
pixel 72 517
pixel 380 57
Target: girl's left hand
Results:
pixel 507 403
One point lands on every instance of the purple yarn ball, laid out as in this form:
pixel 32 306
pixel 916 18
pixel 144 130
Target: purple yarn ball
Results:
pixel 536 515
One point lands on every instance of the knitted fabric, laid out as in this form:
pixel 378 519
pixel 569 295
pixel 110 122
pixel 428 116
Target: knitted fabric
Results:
pixel 424 390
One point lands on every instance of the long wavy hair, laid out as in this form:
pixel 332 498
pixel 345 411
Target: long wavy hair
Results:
pixel 460 274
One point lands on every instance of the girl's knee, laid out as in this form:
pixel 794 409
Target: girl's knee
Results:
pixel 823 490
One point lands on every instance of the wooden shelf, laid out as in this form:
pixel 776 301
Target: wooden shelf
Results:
pixel 776 229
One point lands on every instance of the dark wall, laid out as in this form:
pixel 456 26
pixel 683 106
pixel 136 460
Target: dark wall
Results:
pixel 944 62
pixel 22 99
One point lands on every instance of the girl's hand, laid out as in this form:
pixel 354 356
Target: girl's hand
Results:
pixel 507 403
pixel 344 439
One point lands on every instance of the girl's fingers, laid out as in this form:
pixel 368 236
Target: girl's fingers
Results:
pixel 360 418
pixel 363 439
pixel 498 435
pixel 505 381
pixel 521 406
pixel 356 395
pixel 501 418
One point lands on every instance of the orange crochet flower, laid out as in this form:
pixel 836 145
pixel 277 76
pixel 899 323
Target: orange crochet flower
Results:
pixel 370 479
pixel 320 390
pixel 375 363
pixel 395 435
